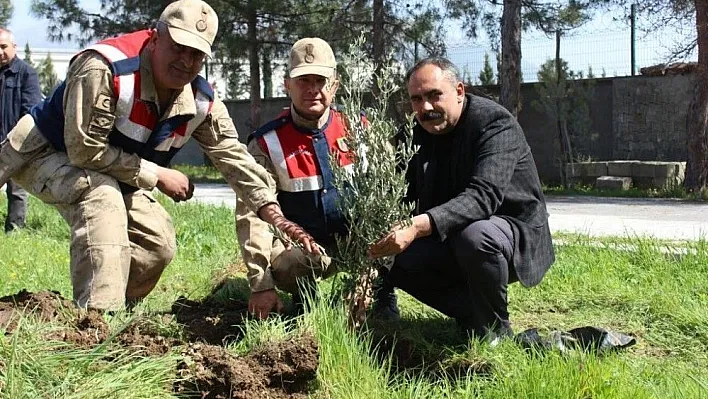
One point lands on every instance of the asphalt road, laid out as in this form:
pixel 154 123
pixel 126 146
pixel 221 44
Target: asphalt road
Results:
pixel 596 216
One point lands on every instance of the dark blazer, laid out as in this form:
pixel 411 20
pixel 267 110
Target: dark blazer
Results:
pixel 19 91
pixel 484 167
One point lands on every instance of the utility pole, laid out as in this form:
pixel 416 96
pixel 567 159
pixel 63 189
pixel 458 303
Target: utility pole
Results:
pixel 633 49
pixel 378 39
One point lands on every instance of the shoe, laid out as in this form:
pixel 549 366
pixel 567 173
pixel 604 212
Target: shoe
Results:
pixel 307 289
pixel 385 307
pixel 491 335
pixel 298 307
pixel 13 227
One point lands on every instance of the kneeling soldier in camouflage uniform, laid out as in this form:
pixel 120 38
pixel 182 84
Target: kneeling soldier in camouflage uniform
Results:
pixel 98 145
pixel 296 148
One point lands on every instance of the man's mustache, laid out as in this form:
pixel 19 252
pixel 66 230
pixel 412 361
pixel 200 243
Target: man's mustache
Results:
pixel 430 116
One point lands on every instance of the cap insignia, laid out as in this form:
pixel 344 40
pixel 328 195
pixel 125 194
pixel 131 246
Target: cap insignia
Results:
pixel 309 53
pixel 201 24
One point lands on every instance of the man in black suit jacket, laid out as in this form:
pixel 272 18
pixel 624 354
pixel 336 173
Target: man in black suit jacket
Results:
pixel 480 218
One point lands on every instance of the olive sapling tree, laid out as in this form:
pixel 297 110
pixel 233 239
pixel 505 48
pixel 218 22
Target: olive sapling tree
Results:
pixel 373 188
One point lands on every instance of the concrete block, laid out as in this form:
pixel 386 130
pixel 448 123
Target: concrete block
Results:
pixel 620 168
pixel 665 169
pixel 595 169
pixel 667 182
pixel 642 182
pixel 613 182
pixel 681 174
pixel 662 182
pixel 643 169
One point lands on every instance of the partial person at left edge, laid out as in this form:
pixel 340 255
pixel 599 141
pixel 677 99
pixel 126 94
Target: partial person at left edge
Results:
pixel 102 141
pixel 19 91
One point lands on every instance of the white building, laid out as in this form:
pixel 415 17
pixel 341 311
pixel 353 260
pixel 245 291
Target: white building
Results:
pixel 60 57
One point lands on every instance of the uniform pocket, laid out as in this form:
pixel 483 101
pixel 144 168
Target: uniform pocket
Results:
pixel 58 182
pixel 224 127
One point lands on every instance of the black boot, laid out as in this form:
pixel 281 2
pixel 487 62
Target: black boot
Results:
pixel 385 305
pixel 307 289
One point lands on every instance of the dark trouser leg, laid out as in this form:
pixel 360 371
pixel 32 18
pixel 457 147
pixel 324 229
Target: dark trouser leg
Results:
pixel 427 270
pixel 16 206
pixel 464 277
pixel 483 250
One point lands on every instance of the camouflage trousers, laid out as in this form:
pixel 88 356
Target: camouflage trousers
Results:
pixel 288 266
pixel 120 244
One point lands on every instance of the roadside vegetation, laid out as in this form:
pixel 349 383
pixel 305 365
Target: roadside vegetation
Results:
pixel 633 192
pixel 658 296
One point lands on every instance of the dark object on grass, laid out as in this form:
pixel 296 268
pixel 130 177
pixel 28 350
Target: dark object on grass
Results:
pixel 586 338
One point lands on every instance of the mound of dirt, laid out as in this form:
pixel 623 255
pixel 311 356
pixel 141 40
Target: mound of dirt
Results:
pixel 214 323
pixel 277 370
pixel 47 305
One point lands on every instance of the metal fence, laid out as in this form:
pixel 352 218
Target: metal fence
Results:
pixel 607 52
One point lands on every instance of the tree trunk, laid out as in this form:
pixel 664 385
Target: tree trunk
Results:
pixel 510 77
pixel 378 38
pixel 267 73
pixel 697 165
pixel 254 67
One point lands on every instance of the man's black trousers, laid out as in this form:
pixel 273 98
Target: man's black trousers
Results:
pixel 464 277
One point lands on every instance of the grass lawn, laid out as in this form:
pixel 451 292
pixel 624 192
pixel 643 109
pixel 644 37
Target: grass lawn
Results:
pixel 660 298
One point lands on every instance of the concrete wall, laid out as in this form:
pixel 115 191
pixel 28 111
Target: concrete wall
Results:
pixel 649 117
pixel 542 131
pixel 633 118
pixel 240 112
pixel 638 118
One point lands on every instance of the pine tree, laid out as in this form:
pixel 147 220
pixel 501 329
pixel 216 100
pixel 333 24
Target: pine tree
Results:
pixel 48 79
pixel 28 56
pixel 6 10
pixel 563 95
pixel 486 75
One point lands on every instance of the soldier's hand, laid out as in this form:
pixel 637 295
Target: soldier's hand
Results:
pixel 272 214
pixel 298 234
pixel 174 184
pixel 262 303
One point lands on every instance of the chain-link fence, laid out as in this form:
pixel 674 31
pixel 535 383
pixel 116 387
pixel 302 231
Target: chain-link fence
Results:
pixel 607 52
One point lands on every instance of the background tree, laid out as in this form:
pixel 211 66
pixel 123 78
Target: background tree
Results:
pixel 564 96
pixel 486 75
pixel 510 73
pixel 260 32
pixel 48 79
pixel 28 55
pixel 697 165
pixel 6 10
pixel 504 26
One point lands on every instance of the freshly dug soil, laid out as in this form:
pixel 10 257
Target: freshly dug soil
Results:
pixel 285 369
